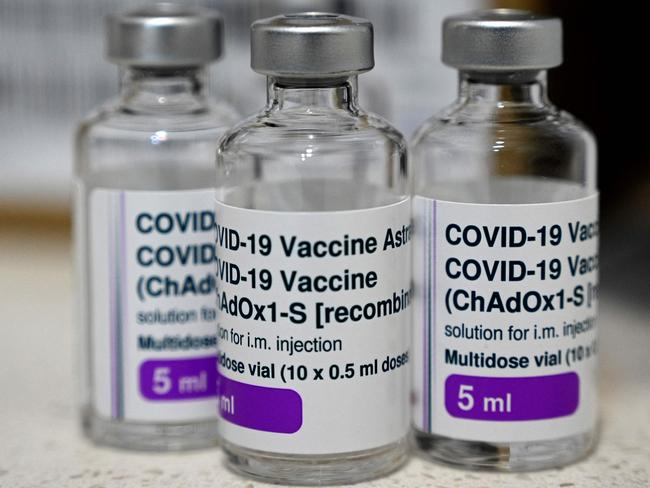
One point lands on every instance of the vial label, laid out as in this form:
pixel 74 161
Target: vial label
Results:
pixel 154 337
pixel 313 328
pixel 505 319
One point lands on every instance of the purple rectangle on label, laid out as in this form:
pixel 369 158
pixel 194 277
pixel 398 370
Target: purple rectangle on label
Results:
pixel 259 407
pixel 511 399
pixel 179 379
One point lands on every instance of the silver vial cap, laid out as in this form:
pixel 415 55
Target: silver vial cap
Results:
pixel 502 40
pixel 164 35
pixel 312 45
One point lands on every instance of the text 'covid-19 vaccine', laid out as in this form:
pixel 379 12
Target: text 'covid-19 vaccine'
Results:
pixel 313 246
pixel 505 257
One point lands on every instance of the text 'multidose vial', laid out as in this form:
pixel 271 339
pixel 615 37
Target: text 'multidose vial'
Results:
pixel 145 235
pixel 313 236
pixel 505 256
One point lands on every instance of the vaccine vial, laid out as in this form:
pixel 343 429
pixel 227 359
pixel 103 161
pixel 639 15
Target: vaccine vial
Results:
pixel 145 234
pixel 313 236
pixel 505 257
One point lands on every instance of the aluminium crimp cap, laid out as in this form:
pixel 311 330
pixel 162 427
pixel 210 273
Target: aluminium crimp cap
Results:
pixel 312 45
pixel 164 35
pixel 502 40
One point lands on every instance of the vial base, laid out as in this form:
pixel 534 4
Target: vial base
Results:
pixel 514 457
pixel 316 470
pixel 141 436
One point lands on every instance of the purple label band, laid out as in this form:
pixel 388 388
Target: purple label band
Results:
pixel 179 379
pixel 263 408
pixel 511 399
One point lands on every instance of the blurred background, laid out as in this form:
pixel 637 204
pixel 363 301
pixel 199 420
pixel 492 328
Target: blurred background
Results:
pixel 52 73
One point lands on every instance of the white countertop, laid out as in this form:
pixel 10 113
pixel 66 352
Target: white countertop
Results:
pixel 41 446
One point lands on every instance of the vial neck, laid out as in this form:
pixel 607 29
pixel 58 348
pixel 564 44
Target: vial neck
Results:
pixel 337 94
pixel 179 90
pixel 504 90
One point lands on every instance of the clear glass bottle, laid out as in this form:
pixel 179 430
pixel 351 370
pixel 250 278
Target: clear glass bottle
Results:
pixel 503 156
pixel 313 168
pixel 145 166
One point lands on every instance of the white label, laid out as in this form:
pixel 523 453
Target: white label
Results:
pixel 504 313
pixel 153 311
pixel 313 328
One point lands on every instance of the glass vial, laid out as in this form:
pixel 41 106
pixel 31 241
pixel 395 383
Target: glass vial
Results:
pixel 505 257
pixel 313 231
pixel 144 234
